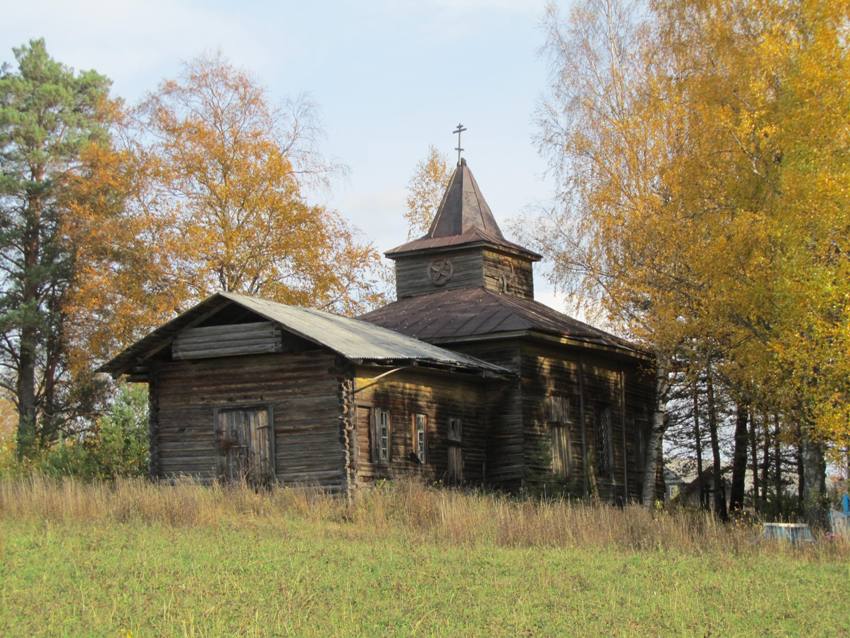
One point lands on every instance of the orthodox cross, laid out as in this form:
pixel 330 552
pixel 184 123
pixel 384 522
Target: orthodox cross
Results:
pixel 460 129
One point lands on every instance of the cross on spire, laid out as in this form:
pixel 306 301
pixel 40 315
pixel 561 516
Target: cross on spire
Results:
pixel 460 129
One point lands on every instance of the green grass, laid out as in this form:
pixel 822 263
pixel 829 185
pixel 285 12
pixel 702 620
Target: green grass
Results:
pixel 293 575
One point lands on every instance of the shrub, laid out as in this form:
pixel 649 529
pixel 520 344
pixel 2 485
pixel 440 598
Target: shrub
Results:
pixel 115 445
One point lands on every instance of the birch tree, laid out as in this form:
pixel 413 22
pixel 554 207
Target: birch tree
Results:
pixel 688 204
pixel 425 191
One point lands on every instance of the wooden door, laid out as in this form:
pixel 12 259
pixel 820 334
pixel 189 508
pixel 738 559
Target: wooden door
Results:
pixel 244 437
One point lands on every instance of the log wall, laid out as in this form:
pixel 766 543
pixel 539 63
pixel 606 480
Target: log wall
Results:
pixel 507 274
pixel 413 277
pixel 471 268
pixel 305 392
pixel 211 342
pixel 439 397
pixel 590 383
pixel 505 442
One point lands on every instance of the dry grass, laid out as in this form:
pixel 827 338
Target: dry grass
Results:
pixel 405 508
pixel 402 559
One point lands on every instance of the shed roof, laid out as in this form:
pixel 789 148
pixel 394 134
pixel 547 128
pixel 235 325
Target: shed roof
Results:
pixel 454 315
pixel 356 340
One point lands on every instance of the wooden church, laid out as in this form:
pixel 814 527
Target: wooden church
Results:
pixel 464 379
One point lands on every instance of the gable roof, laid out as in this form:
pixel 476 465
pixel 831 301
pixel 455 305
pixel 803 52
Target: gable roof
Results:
pixel 358 341
pixel 463 217
pixel 454 315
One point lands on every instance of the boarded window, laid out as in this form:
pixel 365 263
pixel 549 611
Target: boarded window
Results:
pixel 420 426
pixel 561 460
pixel 558 419
pixel 604 452
pixel 381 435
pixel 455 430
pixel 455 450
pixel 245 442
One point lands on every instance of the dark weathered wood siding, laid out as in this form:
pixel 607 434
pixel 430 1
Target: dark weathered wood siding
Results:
pixel 303 390
pixel 590 382
pixel 503 400
pixel 229 340
pixel 519 449
pixel 471 268
pixel 323 428
pixel 413 273
pixel 438 396
pixel 508 274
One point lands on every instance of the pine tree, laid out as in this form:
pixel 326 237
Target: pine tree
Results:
pixel 48 115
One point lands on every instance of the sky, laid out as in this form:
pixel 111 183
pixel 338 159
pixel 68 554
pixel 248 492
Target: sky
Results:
pixel 390 79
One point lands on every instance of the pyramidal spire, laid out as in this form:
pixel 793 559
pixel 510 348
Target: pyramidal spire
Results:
pixel 463 208
pixel 463 218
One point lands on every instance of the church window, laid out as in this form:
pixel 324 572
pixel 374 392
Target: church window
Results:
pixel 558 420
pixel 455 430
pixel 560 436
pixel 420 425
pixel 381 436
pixel 441 271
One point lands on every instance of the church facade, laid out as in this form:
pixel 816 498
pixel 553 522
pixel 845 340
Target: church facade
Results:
pixel 464 379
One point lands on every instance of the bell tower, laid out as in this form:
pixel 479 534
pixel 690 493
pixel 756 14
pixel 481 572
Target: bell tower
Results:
pixel 464 248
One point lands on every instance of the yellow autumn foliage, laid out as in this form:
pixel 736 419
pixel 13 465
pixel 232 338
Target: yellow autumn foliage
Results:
pixel 204 191
pixel 701 147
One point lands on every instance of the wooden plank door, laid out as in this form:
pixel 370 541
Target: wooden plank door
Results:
pixel 244 438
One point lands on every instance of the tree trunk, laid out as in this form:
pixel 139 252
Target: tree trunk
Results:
pixel 719 491
pixel 801 484
pixel 739 459
pixel 698 442
pixel 26 385
pixel 777 461
pixel 653 445
pixel 26 392
pixel 754 455
pixel 814 480
pixel 765 457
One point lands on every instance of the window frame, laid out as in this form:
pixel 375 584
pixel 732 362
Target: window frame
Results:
pixel 560 440
pixel 382 453
pixel 455 434
pixel 420 445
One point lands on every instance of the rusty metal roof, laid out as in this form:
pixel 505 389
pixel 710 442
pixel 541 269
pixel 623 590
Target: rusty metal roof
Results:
pixel 463 217
pixel 475 312
pixel 356 340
